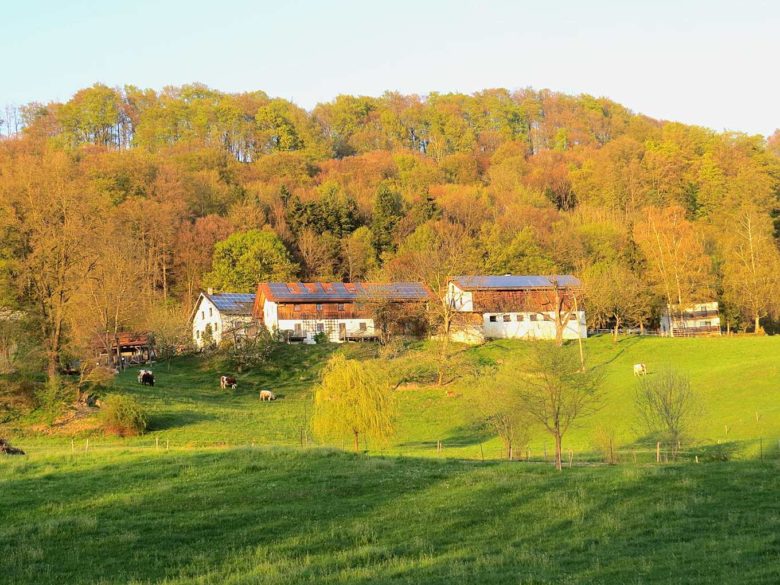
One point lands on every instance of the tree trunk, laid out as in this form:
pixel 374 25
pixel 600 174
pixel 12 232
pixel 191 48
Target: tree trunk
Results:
pixel 357 442
pixel 758 324
pixel 558 448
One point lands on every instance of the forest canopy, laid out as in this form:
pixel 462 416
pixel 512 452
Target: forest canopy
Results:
pixel 125 201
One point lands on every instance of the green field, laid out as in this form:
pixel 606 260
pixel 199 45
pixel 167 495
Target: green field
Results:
pixel 737 378
pixel 226 489
pixel 280 516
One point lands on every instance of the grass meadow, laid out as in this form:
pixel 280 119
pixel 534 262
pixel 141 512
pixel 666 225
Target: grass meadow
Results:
pixel 226 489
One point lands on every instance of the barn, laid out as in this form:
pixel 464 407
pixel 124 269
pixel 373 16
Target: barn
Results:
pixel 515 307
pixel 343 311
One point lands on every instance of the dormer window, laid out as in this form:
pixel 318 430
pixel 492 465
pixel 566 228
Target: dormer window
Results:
pixel 340 306
pixel 319 307
pixel 297 308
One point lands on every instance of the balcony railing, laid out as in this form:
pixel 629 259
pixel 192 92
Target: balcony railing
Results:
pixel 287 314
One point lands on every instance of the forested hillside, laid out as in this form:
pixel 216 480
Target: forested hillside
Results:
pixel 119 205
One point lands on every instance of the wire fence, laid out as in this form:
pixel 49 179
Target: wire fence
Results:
pixel 760 448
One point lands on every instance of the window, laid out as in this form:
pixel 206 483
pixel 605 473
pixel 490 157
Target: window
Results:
pixel 197 334
pixel 492 318
pixel 298 331
pixel 216 326
pixel 362 326
pixel 203 315
pixel 520 317
pixel 507 318
pixel 340 306
pixel 320 327
pixel 211 313
pixel 297 308
pixel 573 317
pixel 318 307
pixel 533 317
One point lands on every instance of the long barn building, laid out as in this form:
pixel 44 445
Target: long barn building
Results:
pixel 516 307
pixel 342 311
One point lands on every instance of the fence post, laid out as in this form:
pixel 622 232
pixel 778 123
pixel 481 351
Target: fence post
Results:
pixel 481 452
pixel 86 446
pixel 571 456
pixel 658 452
pixel 761 447
pixel 157 443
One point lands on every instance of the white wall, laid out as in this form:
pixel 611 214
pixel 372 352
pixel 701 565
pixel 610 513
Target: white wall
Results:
pixel 309 326
pixel 206 314
pixel 526 328
pixel 460 300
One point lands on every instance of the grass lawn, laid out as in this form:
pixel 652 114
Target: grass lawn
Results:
pixel 738 379
pixel 284 516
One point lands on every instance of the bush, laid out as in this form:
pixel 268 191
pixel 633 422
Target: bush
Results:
pixel 123 415
pixel 321 337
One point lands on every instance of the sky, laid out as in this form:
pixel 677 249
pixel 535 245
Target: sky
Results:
pixel 713 63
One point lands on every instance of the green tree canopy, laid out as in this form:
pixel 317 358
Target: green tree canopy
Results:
pixel 246 258
pixel 354 399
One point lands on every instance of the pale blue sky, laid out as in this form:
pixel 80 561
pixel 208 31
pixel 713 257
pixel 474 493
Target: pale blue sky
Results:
pixel 713 63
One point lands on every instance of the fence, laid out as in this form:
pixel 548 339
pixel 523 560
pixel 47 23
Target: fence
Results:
pixel 761 448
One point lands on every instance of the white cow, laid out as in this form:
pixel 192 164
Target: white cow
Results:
pixel 640 370
pixel 267 395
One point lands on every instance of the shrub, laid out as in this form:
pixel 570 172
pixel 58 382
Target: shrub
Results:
pixel 123 415
pixel 321 337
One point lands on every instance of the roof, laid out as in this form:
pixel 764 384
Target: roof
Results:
pixel 232 303
pixel 510 282
pixel 334 292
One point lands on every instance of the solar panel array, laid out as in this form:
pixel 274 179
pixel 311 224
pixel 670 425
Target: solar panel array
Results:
pixel 339 291
pixel 236 303
pixel 514 282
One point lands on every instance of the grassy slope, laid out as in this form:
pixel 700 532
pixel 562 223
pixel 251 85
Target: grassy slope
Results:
pixel 260 516
pixel 737 377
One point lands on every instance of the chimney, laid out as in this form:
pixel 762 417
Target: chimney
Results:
pixel 210 291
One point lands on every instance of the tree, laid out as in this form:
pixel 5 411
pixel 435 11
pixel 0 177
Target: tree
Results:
pixel 433 254
pixel 54 222
pixel 247 258
pixel 248 351
pixel 615 296
pixel 353 399
pixel 677 265
pixel 388 211
pixel 357 255
pixel 556 392
pixel 751 263
pixel 499 407
pixel 667 406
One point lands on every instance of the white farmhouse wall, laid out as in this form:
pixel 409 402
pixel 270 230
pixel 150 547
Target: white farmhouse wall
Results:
pixel 331 327
pixel 206 314
pixel 270 315
pixel 460 300
pixel 520 325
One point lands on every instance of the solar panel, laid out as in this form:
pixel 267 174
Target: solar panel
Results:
pixel 509 282
pixel 339 291
pixel 240 303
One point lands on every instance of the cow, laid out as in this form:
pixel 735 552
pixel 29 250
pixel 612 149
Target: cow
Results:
pixel 147 379
pixel 640 370
pixel 141 375
pixel 267 395
pixel 226 381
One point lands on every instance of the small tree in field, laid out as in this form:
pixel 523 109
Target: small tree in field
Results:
pixel 354 399
pixel 667 406
pixel 556 391
pixel 500 409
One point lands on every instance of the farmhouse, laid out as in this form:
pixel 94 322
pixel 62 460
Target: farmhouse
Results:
pixel 218 314
pixel 343 311
pixel 516 307
pixel 691 320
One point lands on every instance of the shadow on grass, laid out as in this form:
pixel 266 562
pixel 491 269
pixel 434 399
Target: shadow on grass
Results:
pixel 172 420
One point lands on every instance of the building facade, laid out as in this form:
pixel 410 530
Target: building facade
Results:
pixel 217 315
pixel 691 320
pixel 515 307
pixel 341 311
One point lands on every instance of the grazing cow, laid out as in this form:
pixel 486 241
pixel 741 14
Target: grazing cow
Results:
pixel 267 395
pixel 640 370
pixel 141 375
pixel 226 381
pixel 147 379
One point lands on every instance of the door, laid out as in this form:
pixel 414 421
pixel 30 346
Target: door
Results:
pixel 342 331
